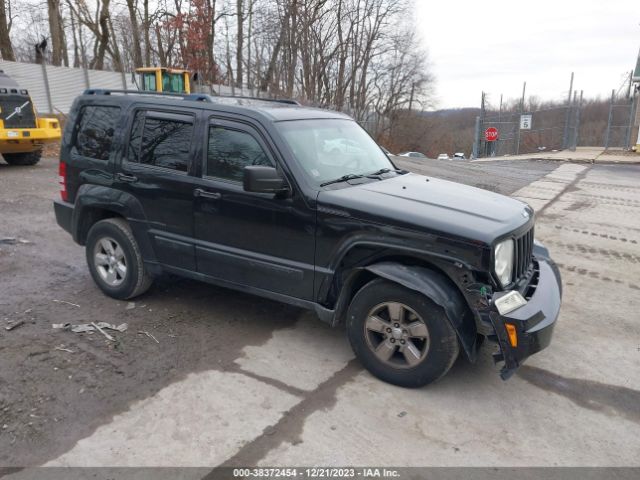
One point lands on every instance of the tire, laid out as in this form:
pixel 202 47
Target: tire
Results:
pixel 430 344
pixel 22 159
pixel 110 247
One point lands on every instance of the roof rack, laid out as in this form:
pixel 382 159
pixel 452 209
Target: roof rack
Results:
pixel 288 101
pixel 194 97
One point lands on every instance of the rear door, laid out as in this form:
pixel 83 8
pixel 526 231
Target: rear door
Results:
pixel 157 170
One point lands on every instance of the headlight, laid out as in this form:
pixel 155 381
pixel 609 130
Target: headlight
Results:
pixel 503 255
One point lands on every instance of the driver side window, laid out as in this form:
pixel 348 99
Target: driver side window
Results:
pixel 229 151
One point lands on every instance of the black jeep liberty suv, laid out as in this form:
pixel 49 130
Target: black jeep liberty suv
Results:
pixel 300 205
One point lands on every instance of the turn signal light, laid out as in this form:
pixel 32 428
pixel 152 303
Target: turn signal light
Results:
pixel 513 336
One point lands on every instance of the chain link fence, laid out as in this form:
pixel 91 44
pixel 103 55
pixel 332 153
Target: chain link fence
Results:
pixel 553 128
pixel 622 113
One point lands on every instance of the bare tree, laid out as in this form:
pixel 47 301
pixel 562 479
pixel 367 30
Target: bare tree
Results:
pixel 6 50
pixel 136 44
pixel 56 32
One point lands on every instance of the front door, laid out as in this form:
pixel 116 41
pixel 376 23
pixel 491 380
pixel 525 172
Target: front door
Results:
pixel 258 240
pixel 157 170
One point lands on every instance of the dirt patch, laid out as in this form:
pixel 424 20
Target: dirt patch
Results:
pixel 57 386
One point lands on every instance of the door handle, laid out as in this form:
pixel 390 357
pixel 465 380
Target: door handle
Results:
pixel 199 192
pixel 126 178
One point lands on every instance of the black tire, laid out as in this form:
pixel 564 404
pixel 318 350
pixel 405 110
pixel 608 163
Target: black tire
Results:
pixel 440 347
pixel 22 159
pixel 136 280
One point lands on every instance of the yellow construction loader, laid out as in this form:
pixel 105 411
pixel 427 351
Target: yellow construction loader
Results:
pixel 164 80
pixel 22 132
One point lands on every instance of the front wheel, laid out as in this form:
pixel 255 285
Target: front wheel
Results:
pixel 22 159
pixel 115 261
pixel 400 335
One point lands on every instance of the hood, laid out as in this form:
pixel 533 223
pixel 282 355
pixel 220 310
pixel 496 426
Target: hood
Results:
pixel 430 204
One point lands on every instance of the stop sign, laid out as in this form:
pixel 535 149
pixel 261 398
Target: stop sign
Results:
pixel 491 134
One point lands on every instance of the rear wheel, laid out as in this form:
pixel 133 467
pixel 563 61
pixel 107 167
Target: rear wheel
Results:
pixel 29 158
pixel 400 335
pixel 115 261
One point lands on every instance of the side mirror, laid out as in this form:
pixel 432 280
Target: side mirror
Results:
pixel 261 179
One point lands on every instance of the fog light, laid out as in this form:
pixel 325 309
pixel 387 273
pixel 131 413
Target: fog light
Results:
pixel 513 336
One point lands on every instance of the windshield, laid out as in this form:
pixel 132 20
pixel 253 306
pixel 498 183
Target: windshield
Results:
pixel 172 82
pixel 330 149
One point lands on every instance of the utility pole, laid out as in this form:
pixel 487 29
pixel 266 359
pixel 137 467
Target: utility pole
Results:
pixel 632 116
pixel 477 143
pixel 577 129
pixel 565 135
pixel 608 135
pixel 524 89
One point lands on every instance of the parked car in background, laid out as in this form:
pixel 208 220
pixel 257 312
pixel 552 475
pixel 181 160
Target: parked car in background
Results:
pixel 459 156
pixel 444 156
pixel 412 154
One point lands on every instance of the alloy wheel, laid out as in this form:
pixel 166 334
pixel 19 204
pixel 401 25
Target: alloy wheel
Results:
pixel 110 261
pixel 396 335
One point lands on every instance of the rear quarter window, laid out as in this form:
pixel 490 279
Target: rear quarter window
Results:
pixel 94 131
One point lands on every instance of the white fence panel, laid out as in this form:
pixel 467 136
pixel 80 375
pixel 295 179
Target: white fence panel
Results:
pixel 29 76
pixel 66 83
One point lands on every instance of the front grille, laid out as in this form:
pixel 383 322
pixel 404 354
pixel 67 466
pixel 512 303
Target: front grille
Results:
pixel 17 111
pixel 523 254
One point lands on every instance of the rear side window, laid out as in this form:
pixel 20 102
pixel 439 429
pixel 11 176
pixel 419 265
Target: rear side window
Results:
pixel 229 151
pixel 161 140
pixel 94 131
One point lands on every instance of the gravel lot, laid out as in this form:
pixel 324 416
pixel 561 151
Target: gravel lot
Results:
pixel 223 378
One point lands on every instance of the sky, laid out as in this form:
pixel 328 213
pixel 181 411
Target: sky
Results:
pixel 495 46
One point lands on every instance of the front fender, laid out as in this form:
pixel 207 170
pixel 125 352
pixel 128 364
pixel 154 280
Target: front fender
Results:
pixel 439 288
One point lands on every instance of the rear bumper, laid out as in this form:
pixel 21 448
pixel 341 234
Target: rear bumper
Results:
pixel 534 322
pixel 64 214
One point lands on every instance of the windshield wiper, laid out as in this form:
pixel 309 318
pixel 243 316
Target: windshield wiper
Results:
pixel 385 170
pixel 344 178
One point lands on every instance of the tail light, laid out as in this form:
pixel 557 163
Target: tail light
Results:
pixel 62 180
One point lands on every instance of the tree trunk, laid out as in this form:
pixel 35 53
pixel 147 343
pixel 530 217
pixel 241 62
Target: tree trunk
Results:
pixel 63 38
pixel 76 49
pixel 210 74
pixel 55 31
pixel 293 48
pixel 239 43
pixel 249 36
pixel 147 38
pixel 264 85
pixel 115 49
pixel 135 33
pixel 6 50
pixel 102 42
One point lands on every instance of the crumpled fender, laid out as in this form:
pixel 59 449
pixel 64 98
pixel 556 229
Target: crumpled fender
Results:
pixel 439 288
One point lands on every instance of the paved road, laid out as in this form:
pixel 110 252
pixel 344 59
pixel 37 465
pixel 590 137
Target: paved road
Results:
pixel 237 380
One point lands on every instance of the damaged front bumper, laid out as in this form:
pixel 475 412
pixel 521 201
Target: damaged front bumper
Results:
pixel 532 323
